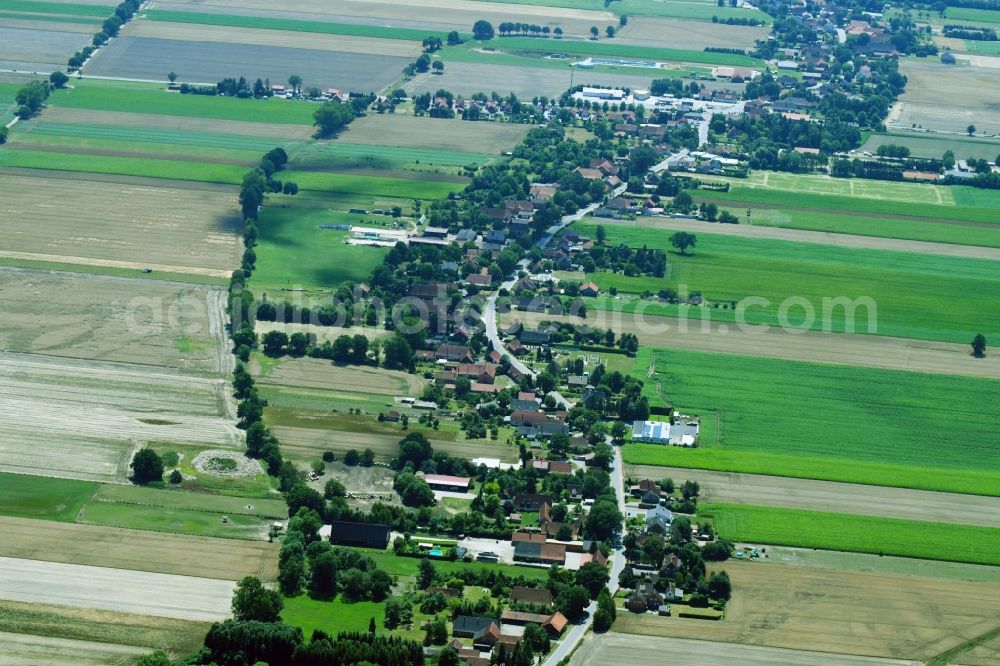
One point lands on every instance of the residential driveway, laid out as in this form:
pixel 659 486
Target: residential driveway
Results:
pixel 502 548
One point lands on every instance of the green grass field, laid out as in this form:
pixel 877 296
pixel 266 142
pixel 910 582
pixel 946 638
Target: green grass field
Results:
pixel 922 229
pixel 982 48
pixel 180 499
pixel 293 25
pixel 68 8
pixel 153 98
pixel 837 423
pixel 294 252
pixel 749 197
pixel 408 566
pixel 862 534
pixel 347 155
pixel 206 172
pixel 43 497
pixel 347 184
pixel 969 14
pixel 609 48
pixel 179 521
pixel 702 10
pixel 332 616
pixel 847 187
pixel 910 291
pixel 123 138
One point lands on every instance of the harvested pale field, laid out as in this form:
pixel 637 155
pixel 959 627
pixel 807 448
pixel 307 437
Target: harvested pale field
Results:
pixel 58 114
pixel 833 560
pixel 315 373
pixel 136 550
pixel 406 131
pixel 878 615
pixel 815 495
pixel 191 32
pixel 140 592
pixel 85 420
pixel 38 50
pixel 683 34
pixel 114 319
pixel 101 626
pixel 311 443
pixel 987 654
pixel 948 98
pixel 109 223
pixel 835 348
pixel 817 237
pixel 616 648
pixel 205 62
pixel 468 78
pixel 432 15
pixel 28 650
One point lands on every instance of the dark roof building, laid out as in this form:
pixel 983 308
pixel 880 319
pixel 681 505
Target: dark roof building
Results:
pixel 359 534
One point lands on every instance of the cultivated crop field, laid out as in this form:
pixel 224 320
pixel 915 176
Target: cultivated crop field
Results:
pixel 934 145
pixel 314 373
pixel 28 650
pixel 863 534
pixel 208 62
pixel 908 289
pixel 42 46
pixel 153 551
pixel 802 608
pixel 113 319
pixel 432 134
pixel 119 224
pixel 686 34
pixel 103 588
pixel 82 419
pixel 841 408
pixel 948 98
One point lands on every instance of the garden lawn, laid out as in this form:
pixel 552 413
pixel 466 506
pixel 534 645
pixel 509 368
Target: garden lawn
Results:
pixel 836 423
pixel 332 616
pixel 862 534
pixel 292 250
pixel 926 297
pixel 153 98
pixel 43 497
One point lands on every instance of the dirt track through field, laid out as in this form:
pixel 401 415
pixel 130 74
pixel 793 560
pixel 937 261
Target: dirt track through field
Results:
pixel 156 552
pixel 162 595
pixel 803 608
pixel 823 238
pixel 617 648
pixel 834 348
pixel 29 650
pixel 829 496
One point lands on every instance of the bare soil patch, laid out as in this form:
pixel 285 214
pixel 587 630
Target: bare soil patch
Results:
pixel 905 503
pixel 156 552
pixel 225 463
pixel 79 221
pixel 163 595
pixel 838 349
pixel 898 617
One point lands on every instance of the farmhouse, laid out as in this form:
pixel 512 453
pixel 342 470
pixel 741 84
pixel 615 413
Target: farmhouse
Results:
pixel 540 553
pixel 466 626
pixel 589 289
pixel 552 624
pixel 343 533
